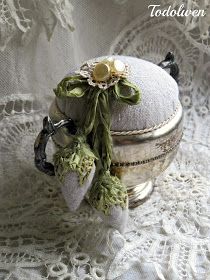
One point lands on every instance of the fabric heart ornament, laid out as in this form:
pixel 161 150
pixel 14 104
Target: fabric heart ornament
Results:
pixel 85 164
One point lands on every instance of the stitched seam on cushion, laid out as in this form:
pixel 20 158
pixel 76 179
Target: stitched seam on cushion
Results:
pixel 135 132
pixel 141 131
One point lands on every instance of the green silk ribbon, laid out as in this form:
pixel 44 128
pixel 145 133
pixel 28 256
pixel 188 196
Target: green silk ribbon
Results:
pixel 98 118
pixel 97 124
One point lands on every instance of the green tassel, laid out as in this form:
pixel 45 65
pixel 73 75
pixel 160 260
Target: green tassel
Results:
pixel 106 192
pixel 78 157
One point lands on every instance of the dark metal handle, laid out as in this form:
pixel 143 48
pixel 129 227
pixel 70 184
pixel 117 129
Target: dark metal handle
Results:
pixel 169 62
pixel 49 129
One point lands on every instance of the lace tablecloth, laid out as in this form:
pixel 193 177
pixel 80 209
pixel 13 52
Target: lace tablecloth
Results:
pixel 168 237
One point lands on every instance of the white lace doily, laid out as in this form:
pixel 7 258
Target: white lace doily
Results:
pixel 168 237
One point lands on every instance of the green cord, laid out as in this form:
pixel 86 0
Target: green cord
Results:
pixel 107 190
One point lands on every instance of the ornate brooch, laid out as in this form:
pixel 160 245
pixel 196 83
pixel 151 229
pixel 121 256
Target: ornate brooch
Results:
pixel 104 74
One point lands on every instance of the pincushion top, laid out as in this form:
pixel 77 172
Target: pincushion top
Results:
pixel 159 92
pixel 106 96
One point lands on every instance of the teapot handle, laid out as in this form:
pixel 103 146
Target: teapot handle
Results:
pixel 169 62
pixel 49 129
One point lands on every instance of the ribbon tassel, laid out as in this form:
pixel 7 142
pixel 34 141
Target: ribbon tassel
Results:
pixel 107 190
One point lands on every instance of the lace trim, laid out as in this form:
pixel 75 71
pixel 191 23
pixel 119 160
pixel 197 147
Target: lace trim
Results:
pixel 198 29
pixel 15 17
pixel 167 236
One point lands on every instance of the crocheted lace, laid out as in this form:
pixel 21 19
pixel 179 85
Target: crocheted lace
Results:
pixel 167 236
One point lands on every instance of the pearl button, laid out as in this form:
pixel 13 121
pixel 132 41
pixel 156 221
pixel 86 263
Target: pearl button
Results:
pixel 101 72
pixel 118 66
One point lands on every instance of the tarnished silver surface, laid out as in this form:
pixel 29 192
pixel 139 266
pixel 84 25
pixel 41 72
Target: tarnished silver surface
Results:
pixel 138 159
pixel 139 193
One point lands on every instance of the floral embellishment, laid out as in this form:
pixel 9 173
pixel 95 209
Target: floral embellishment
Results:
pixel 104 74
pixel 100 83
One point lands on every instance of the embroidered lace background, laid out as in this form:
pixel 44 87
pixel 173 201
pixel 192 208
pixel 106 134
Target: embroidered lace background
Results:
pixel 168 237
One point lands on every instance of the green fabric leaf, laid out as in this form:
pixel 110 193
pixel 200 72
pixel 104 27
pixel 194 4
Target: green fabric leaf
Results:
pixel 132 96
pixel 76 92
pixel 78 157
pixel 106 192
pixel 74 86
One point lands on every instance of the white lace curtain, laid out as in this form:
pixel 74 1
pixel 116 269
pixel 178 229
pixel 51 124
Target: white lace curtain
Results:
pixel 168 236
